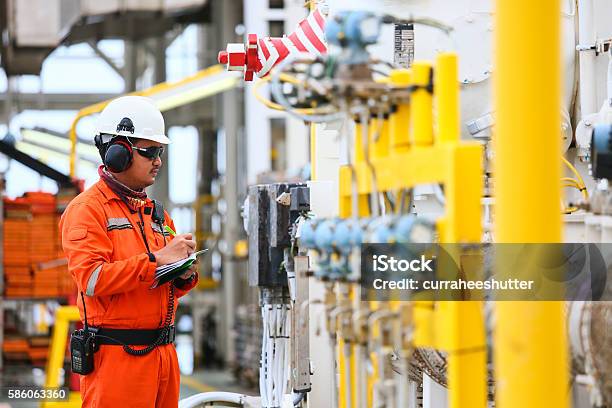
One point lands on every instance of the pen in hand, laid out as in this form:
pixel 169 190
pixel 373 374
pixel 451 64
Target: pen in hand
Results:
pixel 170 230
pixel 181 246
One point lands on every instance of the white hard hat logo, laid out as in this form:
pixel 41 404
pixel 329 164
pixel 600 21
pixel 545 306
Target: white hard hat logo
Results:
pixel 126 125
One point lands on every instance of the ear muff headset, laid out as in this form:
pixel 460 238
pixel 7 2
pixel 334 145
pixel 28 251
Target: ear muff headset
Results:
pixel 116 154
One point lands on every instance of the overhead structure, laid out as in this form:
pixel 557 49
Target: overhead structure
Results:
pixel 63 180
pixel 34 28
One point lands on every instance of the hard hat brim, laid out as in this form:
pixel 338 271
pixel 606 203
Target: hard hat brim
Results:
pixel 158 138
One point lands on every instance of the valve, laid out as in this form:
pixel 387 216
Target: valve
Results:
pixel 260 55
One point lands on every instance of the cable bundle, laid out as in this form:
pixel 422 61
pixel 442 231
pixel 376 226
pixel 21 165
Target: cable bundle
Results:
pixel 274 365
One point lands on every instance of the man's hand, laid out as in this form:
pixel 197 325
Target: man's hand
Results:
pixel 190 271
pixel 179 248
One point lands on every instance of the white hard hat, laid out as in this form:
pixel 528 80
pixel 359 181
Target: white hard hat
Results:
pixel 132 116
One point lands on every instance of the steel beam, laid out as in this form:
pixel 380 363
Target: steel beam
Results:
pixel 232 118
pixel 19 102
pixel 160 190
pixel 109 61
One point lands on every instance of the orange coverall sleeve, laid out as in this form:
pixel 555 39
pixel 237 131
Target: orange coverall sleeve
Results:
pixel 179 289
pixel 89 249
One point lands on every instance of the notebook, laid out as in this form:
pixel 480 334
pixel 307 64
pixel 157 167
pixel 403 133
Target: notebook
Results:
pixel 168 272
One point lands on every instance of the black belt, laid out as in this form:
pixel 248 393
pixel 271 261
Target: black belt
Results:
pixel 132 337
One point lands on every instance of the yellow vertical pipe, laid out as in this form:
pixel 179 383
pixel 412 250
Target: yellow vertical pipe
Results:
pixel 459 325
pixel 313 151
pixel 342 367
pixel 379 133
pixel 313 127
pixel 63 316
pixel 399 121
pixel 345 365
pixel 358 148
pixel 422 105
pixel 373 373
pixel 530 344
pixel 379 138
pixel 446 93
pixel 73 152
pixel 372 135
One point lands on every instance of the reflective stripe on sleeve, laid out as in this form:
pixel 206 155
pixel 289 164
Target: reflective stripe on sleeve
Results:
pixel 93 279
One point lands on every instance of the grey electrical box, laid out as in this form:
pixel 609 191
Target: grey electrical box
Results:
pixel 272 209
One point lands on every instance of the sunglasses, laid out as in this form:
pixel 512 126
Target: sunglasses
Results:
pixel 150 153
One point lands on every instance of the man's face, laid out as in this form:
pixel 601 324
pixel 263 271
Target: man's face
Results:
pixel 142 171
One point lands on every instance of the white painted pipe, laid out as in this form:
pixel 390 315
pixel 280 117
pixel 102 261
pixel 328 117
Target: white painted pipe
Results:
pixel 592 225
pixel 606 229
pixel 610 78
pixel 210 397
pixel 587 36
pixel 575 317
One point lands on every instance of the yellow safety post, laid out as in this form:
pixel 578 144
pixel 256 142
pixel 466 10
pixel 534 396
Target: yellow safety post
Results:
pixel 531 356
pixel 399 121
pixel 446 92
pixel 422 108
pixel 63 316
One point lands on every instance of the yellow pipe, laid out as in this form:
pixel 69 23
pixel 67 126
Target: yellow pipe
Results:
pixel 373 134
pixel 447 98
pixel 379 138
pixel 313 151
pixel 399 121
pixel 530 342
pixel 313 128
pixel 422 109
pixel 89 110
pixel 374 374
pixel 63 316
pixel 344 365
pixel 358 147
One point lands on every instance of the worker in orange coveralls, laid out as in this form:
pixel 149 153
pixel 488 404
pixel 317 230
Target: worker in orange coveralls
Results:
pixel 114 237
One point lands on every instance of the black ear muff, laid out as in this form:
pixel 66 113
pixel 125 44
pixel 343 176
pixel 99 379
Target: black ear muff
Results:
pixel 118 156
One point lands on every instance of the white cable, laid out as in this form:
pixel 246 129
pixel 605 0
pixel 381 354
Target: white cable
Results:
pixel 262 359
pixel 287 349
pixel 276 88
pixel 272 322
pixel 274 366
pixel 208 397
pixel 438 193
